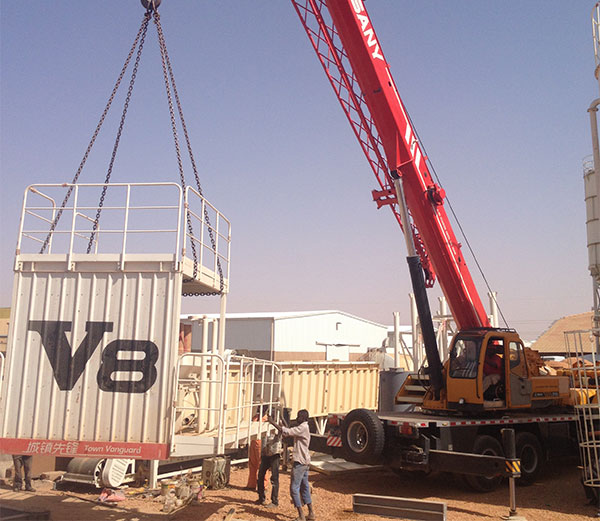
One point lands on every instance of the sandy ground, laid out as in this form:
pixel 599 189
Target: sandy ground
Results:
pixel 557 497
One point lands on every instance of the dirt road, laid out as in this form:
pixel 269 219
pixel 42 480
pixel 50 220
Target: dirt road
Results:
pixel 558 497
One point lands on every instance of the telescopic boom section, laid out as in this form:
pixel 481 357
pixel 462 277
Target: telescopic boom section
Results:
pixel 424 198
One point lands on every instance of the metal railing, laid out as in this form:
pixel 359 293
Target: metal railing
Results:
pixel 584 372
pixel 262 379
pixel 217 396
pixel 199 392
pixel 213 241
pixel 588 165
pixel 129 211
pixel 145 218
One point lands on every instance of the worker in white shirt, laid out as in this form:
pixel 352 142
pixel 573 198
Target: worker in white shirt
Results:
pixel 299 487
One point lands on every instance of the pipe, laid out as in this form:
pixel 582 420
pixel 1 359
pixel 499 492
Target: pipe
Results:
pixel 222 324
pixel 396 339
pixel 593 108
pixel 213 385
pixel 493 308
pixel 443 325
pixel 204 385
pixel 431 350
pixel 414 329
pixel 420 290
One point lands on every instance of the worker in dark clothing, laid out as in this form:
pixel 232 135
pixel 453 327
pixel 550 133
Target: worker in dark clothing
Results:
pixel 22 463
pixel 269 460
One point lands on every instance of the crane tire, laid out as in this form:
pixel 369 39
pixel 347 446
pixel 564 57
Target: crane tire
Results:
pixel 531 454
pixel 363 436
pixel 489 446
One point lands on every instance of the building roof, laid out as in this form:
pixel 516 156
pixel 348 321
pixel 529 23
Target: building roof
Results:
pixel 553 339
pixel 278 315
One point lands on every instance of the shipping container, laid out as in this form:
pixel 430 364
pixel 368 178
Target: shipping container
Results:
pixel 92 366
pixel 325 388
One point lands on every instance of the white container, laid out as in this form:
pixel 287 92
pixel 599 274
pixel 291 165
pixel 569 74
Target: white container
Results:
pixel 592 219
pixel 93 337
pixel 328 387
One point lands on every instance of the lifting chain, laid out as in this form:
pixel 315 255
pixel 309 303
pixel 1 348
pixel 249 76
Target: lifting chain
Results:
pixel 151 12
pixel 111 98
pixel 170 81
pixel 120 130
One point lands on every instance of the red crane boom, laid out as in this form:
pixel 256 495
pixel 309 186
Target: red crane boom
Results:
pixel 345 41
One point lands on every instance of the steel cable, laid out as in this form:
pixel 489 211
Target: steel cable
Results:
pixel 462 232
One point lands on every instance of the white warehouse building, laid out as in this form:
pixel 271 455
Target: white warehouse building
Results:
pixel 281 336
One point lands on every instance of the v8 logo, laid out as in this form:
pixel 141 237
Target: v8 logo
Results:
pixel 68 368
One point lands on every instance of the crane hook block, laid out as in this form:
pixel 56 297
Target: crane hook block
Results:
pixel 151 5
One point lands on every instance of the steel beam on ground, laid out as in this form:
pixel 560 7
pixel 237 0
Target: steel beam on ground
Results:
pixel 416 509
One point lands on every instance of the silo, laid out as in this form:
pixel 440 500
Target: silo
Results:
pixel 591 167
pixel 592 206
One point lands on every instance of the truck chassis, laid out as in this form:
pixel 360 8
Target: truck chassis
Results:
pixel 416 441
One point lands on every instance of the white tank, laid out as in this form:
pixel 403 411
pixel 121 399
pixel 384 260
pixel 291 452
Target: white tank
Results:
pixel 592 163
pixel 592 218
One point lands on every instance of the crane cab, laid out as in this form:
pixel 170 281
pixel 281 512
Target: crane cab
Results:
pixel 488 369
pixel 482 368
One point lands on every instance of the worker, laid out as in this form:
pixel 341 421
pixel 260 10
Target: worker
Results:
pixel 299 487
pixel 269 460
pixel 253 463
pixel 22 463
pixel 464 361
pixel 254 452
pixel 492 367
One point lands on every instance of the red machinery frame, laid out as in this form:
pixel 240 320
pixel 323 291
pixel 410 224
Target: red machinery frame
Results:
pixel 344 39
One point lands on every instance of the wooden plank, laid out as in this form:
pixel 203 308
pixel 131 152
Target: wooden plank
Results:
pixel 414 509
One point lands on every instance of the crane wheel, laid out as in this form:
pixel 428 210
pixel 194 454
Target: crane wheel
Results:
pixel 489 446
pixel 531 454
pixel 363 436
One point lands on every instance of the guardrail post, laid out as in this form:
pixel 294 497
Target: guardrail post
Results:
pixel 513 469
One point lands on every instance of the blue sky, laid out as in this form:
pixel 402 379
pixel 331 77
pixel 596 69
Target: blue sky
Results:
pixel 498 92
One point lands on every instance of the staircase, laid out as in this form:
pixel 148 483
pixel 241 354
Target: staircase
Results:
pixel 412 390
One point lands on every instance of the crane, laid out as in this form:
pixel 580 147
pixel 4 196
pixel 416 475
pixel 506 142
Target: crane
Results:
pixel 343 37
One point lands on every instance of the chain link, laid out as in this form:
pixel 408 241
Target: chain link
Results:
pixel 190 152
pixel 170 81
pixel 96 132
pixel 174 130
pixel 119 131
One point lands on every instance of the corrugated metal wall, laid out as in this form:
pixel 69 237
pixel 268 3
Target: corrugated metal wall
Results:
pixel 91 355
pixel 329 387
pixel 296 336
pixel 309 333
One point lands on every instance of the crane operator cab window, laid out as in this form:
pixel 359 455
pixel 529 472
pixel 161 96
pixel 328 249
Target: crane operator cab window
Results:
pixel 464 357
pixel 515 351
pixel 493 371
